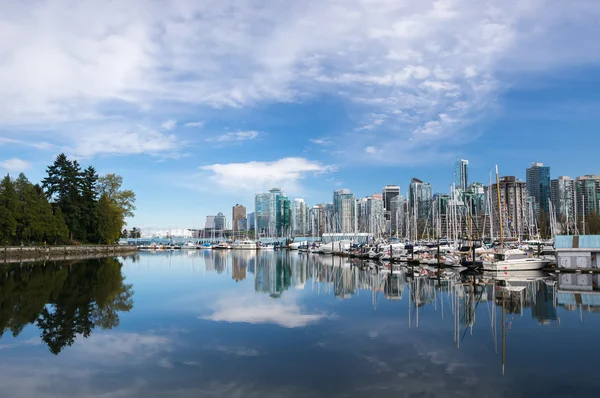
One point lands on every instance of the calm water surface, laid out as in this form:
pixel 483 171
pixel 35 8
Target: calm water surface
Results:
pixel 242 324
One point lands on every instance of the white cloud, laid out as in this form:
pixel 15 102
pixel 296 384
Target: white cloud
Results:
pixel 370 150
pixel 321 141
pixel 82 61
pixel 256 176
pixel 284 312
pixel 121 140
pixel 169 124
pixel 15 165
pixel 235 136
pixel 194 124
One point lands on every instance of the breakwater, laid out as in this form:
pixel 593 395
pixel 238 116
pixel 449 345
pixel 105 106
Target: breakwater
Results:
pixel 41 253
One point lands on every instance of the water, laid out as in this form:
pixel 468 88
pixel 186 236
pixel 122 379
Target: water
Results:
pixel 241 324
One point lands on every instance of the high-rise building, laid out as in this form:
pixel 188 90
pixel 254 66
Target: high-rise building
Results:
pixel 461 174
pixel 299 217
pixel 215 223
pixel 420 197
pixel 562 196
pixel 283 215
pixel 262 213
pixel 251 223
pixel 389 192
pixel 238 214
pixel 370 214
pixel 396 214
pixel 587 194
pixel 344 208
pixel 513 202
pixel 538 187
pixel 317 221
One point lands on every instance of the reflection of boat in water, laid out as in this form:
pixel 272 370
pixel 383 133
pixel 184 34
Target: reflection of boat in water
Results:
pixel 523 276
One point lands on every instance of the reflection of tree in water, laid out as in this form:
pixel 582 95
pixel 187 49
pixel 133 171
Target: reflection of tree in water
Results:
pixel 63 299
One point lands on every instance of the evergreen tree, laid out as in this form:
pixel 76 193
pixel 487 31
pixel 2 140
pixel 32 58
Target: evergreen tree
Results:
pixel 89 197
pixel 63 186
pixel 9 206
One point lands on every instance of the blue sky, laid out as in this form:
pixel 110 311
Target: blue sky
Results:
pixel 199 105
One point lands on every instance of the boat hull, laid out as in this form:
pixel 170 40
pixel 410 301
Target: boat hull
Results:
pixel 517 265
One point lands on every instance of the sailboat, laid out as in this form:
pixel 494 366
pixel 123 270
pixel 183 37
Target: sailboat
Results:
pixel 512 259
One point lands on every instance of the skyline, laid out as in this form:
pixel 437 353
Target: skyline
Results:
pixel 197 105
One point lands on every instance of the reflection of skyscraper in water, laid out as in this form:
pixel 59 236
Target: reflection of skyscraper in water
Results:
pixel 238 268
pixel 209 262
pixel 394 286
pixel 299 269
pixel 220 259
pixel 344 282
pixel 273 275
pixel 543 308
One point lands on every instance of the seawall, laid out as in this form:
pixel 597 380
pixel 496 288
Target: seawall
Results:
pixel 41 253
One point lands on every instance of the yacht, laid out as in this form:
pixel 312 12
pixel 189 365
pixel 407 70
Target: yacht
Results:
pixel 190 246
pixel 515 260
pixel 221 246
pixel 245 244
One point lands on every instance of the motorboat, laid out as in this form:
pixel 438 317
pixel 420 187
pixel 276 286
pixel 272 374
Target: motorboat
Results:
pixel 245 244
pixel 297 245
pixel 221 246
pixel 515 260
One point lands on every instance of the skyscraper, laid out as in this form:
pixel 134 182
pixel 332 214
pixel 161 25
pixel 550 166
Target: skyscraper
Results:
pixel 389 192
pixel 538 186
pixel 262 212
pixel 420 197
pixel 344 207
pixel 513 202
pixel 396 214
pixel 562 195
pixel 238 214
pixel 461 174
pixel 299 217
pixel 587 194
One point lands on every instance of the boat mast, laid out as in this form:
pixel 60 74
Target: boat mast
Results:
pixel 499 207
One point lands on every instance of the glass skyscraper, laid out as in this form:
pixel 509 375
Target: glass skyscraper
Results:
pixel 461 174
pixel 538 186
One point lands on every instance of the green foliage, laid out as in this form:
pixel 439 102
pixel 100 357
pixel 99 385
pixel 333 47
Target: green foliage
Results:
pixel 110 220
pixel 110 185
pixel 66 206
pixel 9 205
pixel 63 300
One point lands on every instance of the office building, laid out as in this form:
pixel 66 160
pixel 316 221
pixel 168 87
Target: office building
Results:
pixel 238 214
pixel 461 174
pixel 344 208
pixel 388 193
pixel 538 187
pixel 420 197
pixel 562 196
pixel 513 202
pixel 587 194
pixel 299 217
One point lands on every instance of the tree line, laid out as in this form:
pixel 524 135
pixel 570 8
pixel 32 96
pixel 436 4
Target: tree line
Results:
pixel 72 205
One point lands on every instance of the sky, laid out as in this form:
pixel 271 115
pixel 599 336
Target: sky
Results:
pixel 201 104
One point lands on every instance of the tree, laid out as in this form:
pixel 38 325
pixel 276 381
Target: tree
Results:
pixel 593 223
pixel 63 186
pixel 9 205
pixel 110 220
pixel 89 197
pixel 544 224
pixel 110 184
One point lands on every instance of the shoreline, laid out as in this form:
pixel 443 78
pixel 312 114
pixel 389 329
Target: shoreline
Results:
pixel 11 254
